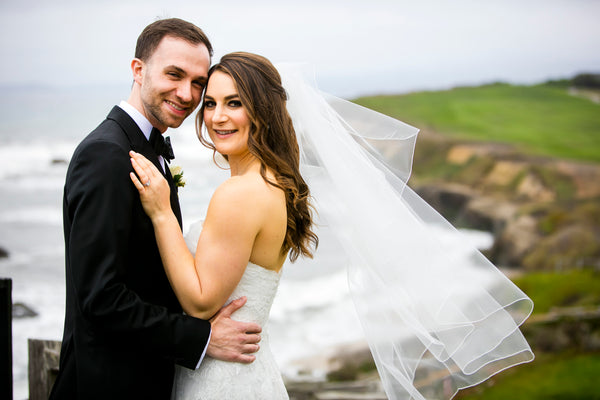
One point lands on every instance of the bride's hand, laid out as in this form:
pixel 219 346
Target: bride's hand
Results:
pixel 152 186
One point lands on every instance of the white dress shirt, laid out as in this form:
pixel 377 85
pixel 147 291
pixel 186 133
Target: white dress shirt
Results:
pixel 143 123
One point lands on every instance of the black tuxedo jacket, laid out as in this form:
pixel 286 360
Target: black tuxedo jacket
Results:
pixel 124 328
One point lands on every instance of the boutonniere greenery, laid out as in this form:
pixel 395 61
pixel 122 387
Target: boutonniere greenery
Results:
pixel 177 174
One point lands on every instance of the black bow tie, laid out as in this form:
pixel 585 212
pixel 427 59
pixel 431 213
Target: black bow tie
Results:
pixel 161 146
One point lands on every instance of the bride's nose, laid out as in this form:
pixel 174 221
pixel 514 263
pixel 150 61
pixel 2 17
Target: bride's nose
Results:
pixel 219 114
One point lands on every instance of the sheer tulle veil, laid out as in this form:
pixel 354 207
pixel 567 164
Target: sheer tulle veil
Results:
pixel 437 315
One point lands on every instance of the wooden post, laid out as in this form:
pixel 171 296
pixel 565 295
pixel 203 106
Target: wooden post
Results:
pixel 6 374
pixel 44 358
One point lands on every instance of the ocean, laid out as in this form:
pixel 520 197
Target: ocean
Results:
pixel 39 129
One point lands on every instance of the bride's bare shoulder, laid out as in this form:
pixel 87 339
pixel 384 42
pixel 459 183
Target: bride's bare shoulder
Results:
pixel 250 190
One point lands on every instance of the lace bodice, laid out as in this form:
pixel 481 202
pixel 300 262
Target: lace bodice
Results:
pixel 259 285
pixel 225 380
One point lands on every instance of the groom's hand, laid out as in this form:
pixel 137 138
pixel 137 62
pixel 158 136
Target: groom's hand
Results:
pixel 233 340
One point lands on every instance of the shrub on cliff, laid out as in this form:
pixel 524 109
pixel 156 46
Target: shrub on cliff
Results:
pixel 587 81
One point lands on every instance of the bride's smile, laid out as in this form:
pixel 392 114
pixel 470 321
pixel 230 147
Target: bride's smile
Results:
pixel 225 133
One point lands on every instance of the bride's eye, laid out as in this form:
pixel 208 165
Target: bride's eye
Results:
pixel 235 103
pixel 209 104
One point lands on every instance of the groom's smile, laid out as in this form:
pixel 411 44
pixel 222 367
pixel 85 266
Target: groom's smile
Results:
pixel 175 106
pixel 179 110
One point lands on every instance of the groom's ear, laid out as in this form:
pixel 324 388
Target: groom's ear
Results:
pixel 137 69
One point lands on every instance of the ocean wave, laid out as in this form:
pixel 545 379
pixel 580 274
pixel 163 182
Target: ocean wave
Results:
pixel 35 157
pixel 309 295
pixel 33 215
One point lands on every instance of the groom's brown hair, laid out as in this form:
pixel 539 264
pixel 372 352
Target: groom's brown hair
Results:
pixel 151 36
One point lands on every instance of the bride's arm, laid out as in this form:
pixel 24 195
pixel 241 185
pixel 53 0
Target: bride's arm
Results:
pixel 224 247
pixel 202 284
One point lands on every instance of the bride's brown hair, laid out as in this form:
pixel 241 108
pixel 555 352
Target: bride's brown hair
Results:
pixel 272 140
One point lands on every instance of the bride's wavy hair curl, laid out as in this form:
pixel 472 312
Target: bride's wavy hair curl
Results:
pixel 272 140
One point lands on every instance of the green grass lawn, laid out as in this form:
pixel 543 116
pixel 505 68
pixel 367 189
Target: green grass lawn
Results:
pixel 563 376
pixel 541 119
pixel 569 375
pixel 574 288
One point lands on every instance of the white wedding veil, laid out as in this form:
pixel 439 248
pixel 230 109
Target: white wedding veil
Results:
pixel 437 315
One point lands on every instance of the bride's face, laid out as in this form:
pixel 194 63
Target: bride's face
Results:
pixel 225 117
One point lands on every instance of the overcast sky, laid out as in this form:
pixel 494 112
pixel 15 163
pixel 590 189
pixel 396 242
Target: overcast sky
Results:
pixel 357 47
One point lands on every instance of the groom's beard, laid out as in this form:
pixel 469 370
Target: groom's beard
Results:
pixel 164 109
pixel 161 111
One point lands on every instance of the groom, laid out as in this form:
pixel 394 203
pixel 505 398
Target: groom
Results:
pixel 124 328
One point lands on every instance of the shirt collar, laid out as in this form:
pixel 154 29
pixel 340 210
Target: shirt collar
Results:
pixel 141 121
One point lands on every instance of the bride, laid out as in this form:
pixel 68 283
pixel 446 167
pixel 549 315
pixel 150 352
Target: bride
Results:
pixel 437 315
pixel 254 220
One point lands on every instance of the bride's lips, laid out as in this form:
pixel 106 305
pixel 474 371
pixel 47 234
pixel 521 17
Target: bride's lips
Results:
pixel 225 132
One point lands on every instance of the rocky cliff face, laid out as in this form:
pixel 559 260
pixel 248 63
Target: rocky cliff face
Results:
pixel 544 213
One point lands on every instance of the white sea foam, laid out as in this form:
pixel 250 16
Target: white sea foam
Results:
pixel 304 295
pixel 48 301
pixel 33 215
pixel 33 158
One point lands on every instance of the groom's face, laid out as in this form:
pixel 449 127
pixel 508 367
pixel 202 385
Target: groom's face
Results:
pixel 172 80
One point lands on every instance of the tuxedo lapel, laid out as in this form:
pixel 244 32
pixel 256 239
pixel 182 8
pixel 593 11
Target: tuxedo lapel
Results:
pixel 169 177
pixel 138 141
pixel 141 145
pixel 174 195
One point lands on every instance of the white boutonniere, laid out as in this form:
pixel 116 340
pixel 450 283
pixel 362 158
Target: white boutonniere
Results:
pixel 177 174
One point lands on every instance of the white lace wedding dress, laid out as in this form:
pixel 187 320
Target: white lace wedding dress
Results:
pixel 226 380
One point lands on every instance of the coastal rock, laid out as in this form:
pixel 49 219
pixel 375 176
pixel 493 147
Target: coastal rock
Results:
pixel 564 329
pixel 531 204
pixel 515 235
pixel 574 246
pixel 362 389
pixel 447 199
pixel 586 177
pixel 350 375
pixel 532 188
pixel 461 153
pixel 464 207
pixel 20 310
pixel 346 364
pixel 515 241
pixel 487 214
pixel 504 172
pixel 336 362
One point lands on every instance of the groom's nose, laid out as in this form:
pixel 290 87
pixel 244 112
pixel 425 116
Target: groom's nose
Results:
pixel 185 92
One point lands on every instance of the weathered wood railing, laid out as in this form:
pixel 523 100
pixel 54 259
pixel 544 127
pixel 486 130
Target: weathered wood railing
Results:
pixel 43 367
pixel 6 375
